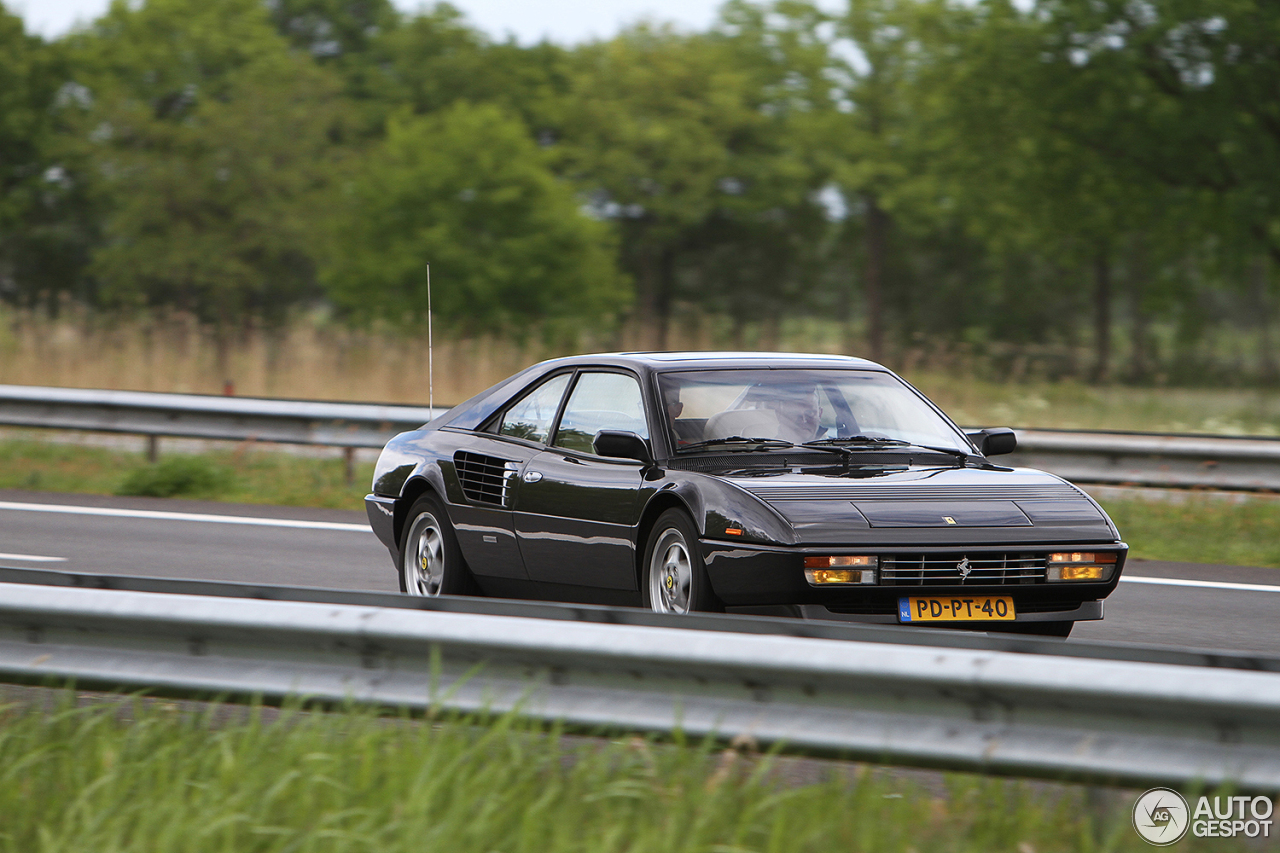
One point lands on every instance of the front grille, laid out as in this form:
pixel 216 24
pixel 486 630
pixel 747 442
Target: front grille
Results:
pixel 484 479
pixel 945 569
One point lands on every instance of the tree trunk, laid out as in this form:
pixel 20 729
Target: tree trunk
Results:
pixel 1140 357
pixel 1101 316
pixel 1259 279
pixel 667 288
pixel 873 274
pixel 653 296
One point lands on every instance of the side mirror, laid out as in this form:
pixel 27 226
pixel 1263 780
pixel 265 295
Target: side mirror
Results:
pixel 621 444
pixel 994 441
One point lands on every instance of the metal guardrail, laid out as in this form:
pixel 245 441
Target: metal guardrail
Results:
pixel 1145 459
pixel 1034 709
pixel 1168 461
pixel 199 416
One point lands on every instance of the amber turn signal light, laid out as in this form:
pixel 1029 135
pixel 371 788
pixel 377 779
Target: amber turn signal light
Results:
pixel 839 571
pixel 840 562
pixel 1081 566
pixel 1083 557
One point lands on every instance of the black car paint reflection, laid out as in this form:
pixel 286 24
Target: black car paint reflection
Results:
pixel 534 519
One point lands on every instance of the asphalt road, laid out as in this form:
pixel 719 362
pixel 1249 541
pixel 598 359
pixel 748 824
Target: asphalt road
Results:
pixel 1186 605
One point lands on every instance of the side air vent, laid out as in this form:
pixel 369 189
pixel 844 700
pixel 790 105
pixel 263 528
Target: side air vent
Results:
pixel 484 479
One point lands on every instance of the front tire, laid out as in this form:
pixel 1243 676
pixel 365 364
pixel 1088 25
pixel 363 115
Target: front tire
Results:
pixel 430 560
pixel 675 578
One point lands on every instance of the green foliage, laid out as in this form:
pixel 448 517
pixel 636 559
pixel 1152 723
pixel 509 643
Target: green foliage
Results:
pixel 670 137
pixel 209 149
pixel 1076 173
pixel 468 192
pixel 178 476
pixel 242 476
pixel 147 775
pixel 1200 530
pixel 40 248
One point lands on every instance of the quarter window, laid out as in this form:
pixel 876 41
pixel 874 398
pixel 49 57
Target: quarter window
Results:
pixel 531 416
pixel 601 401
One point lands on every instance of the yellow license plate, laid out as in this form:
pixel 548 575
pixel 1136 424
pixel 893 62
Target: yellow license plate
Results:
pixel 954 608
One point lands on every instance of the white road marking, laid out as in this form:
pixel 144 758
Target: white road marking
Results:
pixel 32 558
pixel 1245 587
pixel 184 516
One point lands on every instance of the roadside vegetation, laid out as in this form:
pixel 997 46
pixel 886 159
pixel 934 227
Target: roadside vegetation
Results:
pixel 156 776
pixel 1054 188
pixel 239 475
pixel 1200 529
pixel 315 359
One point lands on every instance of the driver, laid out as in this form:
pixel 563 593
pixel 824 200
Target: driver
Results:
pixel 685 432
pixel 799 414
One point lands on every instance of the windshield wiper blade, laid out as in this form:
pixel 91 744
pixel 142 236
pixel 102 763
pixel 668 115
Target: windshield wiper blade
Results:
pixel 873 442
pixel 853 439
pixel 736 442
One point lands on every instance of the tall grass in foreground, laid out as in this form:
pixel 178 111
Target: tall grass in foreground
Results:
pixel 137 776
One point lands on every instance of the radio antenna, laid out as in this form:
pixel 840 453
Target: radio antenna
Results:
pixel 431 386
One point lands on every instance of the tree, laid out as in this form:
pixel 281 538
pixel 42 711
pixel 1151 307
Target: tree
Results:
pixel 468 192
pixel 665 134
pixel 210 144
pixel 39 253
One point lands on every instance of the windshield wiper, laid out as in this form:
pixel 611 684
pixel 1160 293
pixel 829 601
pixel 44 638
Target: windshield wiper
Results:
pixel 877 442
pixel 852 439
pixel 743 443
pixel 736 442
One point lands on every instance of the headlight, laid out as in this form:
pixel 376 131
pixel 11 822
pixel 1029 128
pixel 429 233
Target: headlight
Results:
pixel 841 570
pixel 1081 566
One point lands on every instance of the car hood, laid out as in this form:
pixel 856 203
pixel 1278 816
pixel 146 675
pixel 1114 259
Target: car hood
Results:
pixel 942 505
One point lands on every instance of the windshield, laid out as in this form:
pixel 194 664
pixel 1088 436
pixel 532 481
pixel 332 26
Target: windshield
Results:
pixel 800 406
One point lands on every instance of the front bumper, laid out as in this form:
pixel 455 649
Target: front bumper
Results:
pixel 1085 611
pixel 744 575
pixel 382 518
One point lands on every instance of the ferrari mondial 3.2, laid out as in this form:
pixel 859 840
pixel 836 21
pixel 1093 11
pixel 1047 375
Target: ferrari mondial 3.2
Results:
pixel 822 486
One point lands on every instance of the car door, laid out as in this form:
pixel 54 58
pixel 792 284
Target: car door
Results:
pixel 576 512
pixel 488 470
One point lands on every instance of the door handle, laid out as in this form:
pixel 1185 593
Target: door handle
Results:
pixel 532 476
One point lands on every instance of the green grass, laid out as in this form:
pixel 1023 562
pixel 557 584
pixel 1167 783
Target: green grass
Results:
pixel 1201 530
pixel 1074 405
pixel 134 776
pixel 243 475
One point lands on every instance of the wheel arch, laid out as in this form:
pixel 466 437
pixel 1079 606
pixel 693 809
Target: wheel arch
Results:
pixel 660 503
pixel 427 480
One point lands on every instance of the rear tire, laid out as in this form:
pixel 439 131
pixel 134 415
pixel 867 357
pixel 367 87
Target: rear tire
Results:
pixel 675 577
pixel 430 561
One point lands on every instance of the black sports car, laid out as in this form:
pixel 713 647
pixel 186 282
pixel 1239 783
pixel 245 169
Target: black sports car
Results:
pixel 822 486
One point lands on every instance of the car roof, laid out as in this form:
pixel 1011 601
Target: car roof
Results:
pixel 693 359
pixel 472 412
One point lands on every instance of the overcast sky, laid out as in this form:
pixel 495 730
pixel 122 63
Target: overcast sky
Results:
pixel 564 21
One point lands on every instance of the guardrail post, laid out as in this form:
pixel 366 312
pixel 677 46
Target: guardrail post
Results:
pixel 153 448
pixel 349 464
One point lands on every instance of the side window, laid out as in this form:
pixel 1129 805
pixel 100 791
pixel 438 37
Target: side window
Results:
pixel 530 417
pixel 601 401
